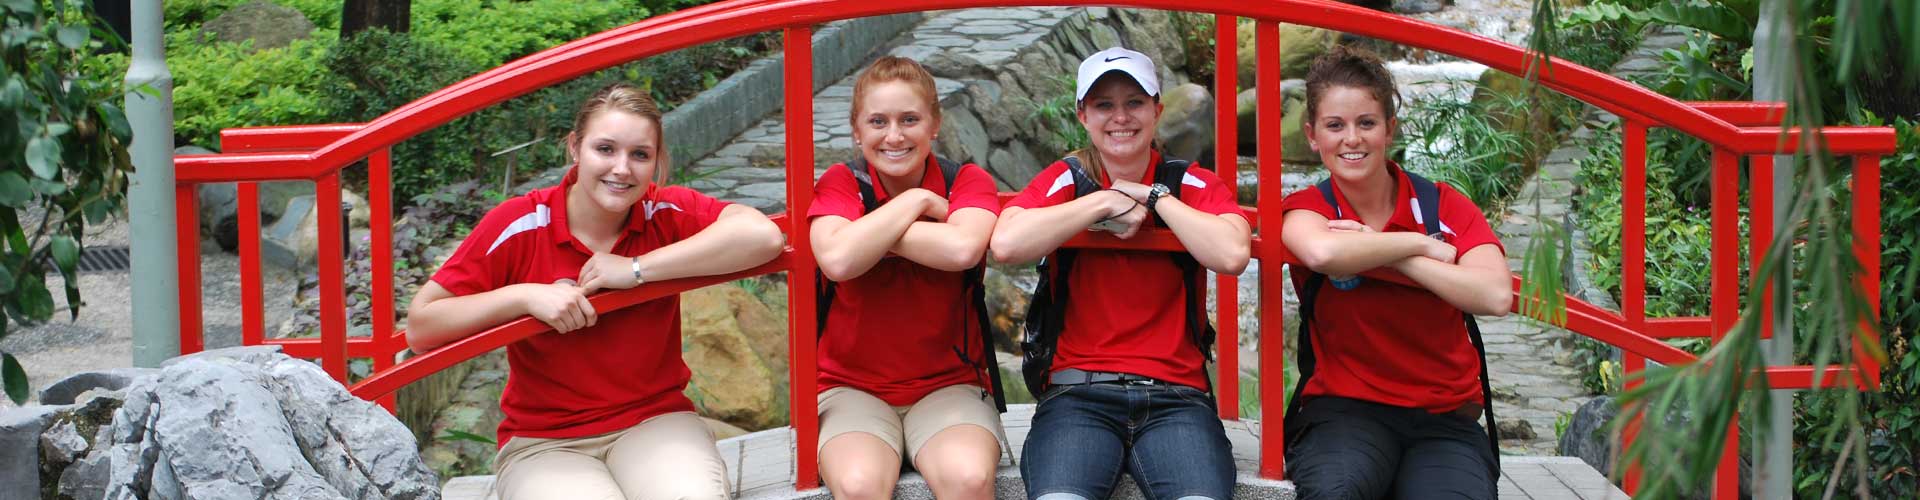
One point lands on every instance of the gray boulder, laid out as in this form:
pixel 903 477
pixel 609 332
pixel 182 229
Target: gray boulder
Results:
pixel 266 24
pixel 239 423
pixel 1587 435
pixel 68 390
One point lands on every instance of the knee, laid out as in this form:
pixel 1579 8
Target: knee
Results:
pixel 962 481
pixel 863 483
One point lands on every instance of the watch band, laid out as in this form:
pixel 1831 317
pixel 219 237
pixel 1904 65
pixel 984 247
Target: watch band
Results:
pixel 637 280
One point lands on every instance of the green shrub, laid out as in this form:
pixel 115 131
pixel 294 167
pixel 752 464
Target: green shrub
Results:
pixel 220 85
pixel 487 34
pixel 1893 413
pixel 187 15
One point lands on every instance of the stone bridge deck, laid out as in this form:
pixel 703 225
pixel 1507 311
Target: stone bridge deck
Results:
pixel 762 464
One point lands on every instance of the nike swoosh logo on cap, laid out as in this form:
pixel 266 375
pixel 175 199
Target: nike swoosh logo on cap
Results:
pixel 1112 59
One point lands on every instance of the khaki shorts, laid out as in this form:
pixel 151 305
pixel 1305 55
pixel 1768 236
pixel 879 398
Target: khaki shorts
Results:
pixel 907 428
pixel 670 456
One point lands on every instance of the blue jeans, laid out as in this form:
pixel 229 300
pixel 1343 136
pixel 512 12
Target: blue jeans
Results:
pixel 1341 448
pixel 1168 437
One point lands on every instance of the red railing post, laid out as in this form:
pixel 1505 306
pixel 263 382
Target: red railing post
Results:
pixel 1726 295
pixel 1760 238
pixel 333 303
pixel 1866 249
pixel 380 225
pixel 800 279
pixel 1273 368
pixel 186 219
pixel 1633 262
pixel 1226 140
pixel 252 315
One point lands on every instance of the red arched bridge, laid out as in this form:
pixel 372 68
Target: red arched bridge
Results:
pixel 318 153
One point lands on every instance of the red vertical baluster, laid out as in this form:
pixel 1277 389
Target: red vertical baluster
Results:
pixel 799 123
pixel 1866 249
pixel 1227 162
pixel 1633 262
pixel 1273 374
pixel 1725 308
pixel 380 225
pixel 333 303
pixel 187 223
pixel 1760 219
pixel 252 313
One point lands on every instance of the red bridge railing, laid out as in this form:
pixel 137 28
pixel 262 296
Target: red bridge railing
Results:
pixel 318 153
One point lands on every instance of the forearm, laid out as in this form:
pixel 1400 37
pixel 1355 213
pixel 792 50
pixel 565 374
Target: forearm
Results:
pixel 1026 235
pixel 1478 291
pixel 1345 253
pixel 1221 243
pixel 740 239
pixel 954 245
pixel 852 248
pixel 448 319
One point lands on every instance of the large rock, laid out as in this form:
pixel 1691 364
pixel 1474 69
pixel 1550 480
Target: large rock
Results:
pixel 254 426
pixel 1186 123
pixel 1299 45
pixel 1293 138
pixel 736 347
pixel 1587 435
pixel 268 25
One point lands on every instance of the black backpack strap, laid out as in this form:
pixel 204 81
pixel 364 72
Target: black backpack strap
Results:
pixel 825 289
pixel 1172 173
pixel 1046 312
pixel 975 285
pixel 1428 196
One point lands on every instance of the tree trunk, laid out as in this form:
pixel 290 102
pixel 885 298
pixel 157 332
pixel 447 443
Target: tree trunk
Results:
pixel 360 15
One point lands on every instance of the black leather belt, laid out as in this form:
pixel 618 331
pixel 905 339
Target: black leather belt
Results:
pixel 1075 376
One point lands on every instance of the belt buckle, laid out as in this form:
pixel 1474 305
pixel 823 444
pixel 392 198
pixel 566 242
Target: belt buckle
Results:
pixel 1141 381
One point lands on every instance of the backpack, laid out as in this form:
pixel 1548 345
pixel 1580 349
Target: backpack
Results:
pixel 973 278
pixel 1428 197
pixel 1046 314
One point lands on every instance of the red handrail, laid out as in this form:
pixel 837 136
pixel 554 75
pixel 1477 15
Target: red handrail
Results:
pixel 318 152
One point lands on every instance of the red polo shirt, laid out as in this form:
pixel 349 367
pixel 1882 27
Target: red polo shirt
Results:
pixel 613 375
pixel 892 331
pixel 1127 313
pixel 1390 343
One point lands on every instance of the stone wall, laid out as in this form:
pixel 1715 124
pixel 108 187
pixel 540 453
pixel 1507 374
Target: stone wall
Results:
pixel 993 120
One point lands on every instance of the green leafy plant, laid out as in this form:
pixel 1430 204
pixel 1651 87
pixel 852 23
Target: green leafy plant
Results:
pixel 63 161
pixel 1058 113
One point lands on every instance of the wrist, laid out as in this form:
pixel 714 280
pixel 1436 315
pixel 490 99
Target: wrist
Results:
pixel 638 279
pixel 1119 204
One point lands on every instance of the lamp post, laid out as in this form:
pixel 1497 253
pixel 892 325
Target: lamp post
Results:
pixel 156 279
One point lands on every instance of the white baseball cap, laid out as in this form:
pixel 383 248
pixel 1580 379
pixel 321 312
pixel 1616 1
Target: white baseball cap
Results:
pixel 1134 64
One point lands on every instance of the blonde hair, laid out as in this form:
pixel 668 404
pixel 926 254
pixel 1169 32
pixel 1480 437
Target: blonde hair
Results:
pixel 620 96
pixel 895 69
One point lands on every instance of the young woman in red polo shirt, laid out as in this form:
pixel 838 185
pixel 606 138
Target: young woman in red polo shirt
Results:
pixel 594 409
pixel 893 382
pixel 1392 406
pixel 1127 388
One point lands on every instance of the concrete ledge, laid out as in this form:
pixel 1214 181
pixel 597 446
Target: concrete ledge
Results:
pixel 1007 486
pixel 702 125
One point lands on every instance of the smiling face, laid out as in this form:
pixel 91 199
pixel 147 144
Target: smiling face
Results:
pixel 1119 116
pixel 618 153
pixel 1351 131
pixel 894 126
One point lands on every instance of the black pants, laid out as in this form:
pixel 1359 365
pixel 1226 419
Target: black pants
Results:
pixel 1340 448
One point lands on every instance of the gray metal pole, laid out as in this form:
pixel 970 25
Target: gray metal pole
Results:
pixel 1774 473
pixel 156 281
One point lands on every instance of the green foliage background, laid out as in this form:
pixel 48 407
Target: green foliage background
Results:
pixel 1716 64
pixel 322 79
